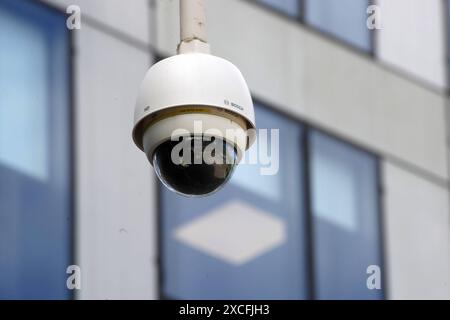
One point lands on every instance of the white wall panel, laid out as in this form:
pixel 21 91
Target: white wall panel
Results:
pixel 417 236
pixel 116 203
pixel 413 38
pixel 312 77
pixel 131 17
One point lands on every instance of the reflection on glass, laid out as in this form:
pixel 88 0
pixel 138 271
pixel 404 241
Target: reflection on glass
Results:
pixel 23 96
pixel 335 181
pixel 258 171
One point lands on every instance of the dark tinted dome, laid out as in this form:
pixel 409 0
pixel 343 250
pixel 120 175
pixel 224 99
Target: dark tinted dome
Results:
pixel 194 166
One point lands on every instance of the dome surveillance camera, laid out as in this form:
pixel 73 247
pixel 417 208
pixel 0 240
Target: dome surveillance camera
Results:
pixel 194 117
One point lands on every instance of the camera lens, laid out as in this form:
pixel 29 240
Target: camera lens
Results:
pixel 195 165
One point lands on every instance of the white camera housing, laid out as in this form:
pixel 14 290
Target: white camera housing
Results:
pixel 200 100
pixel 190 87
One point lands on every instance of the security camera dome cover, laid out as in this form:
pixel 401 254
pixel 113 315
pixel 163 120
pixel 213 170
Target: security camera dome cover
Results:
pixel 192 79
pixel 198 173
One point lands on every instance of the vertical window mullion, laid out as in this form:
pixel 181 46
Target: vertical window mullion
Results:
pixel 309 227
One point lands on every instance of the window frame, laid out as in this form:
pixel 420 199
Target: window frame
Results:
pixel 308 128
pixel 72 132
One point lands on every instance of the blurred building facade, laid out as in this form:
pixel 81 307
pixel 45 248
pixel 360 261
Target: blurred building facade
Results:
pixel 363 169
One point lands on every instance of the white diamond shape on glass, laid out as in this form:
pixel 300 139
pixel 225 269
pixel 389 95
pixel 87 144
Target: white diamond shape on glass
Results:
pixel 235 233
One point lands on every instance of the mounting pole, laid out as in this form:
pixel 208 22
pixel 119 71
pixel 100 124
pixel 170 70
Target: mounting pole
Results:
pixel 193 27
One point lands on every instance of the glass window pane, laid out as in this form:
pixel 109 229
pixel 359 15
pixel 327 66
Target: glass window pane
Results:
pixel 23 115
pixel 344 19
pixel 345 219
pixel 290 7
pixel 248 174
pixel 35 213
pixel 242 242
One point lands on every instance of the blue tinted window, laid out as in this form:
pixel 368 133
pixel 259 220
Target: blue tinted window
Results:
pixel 344 19
pixel 345 219
pixel 290 7
pixel 35 213
pixel 247 241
